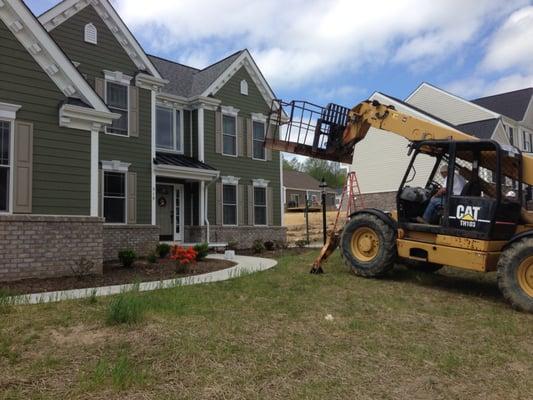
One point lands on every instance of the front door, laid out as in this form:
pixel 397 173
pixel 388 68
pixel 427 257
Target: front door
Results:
pixel 165 211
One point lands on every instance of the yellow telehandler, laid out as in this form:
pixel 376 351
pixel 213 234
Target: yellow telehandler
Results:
pixel 480 225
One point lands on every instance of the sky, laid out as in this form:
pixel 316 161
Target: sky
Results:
pixel 343 50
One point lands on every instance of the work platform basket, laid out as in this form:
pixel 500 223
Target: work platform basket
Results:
pixel 307 129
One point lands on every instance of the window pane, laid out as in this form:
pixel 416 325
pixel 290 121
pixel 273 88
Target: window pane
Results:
pixel 259 130
pixel 229 125
pixel 119 126
pixel 260 216
pixel 164 128
pixel 259 150
pixel 4 189
pixel 229 194
pixel 114 210
pixel 178 130
pixel 4 143
pixel 114 184
pixel 117 95
pixel 230 145
pixel 230 215
pixel 260 196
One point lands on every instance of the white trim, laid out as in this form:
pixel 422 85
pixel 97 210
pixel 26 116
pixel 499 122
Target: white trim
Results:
pixel 149 82
pixel 173 110
pixel 260 183
pixel 115 166
pixel 94 172
pixel 229 110
pixel 117 77
pixel 152 149
pixel 282 190
pixel 235 184
pixel 90 33
pixel 47 53
pixel 84 118
pixel 178 187
pixel 233 115
pixel 127 107
pixel 173 171
pixel 202 201
pixel 201 133
pixel 8 111
pixel 229 180
pixel 259 117
pixel 425 84
pixel 244 60
pixel 11 166
pixel 66 9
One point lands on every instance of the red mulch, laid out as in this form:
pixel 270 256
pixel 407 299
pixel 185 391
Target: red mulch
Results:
pixel 114 274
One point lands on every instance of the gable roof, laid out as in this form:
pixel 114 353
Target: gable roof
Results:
pixel 67 8
pixel 511 104
pixel 45 51
pixel 187 81
pixel 301 180
pixel 480 129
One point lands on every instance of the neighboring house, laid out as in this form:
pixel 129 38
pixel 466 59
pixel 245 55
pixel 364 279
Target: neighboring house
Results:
pixel 380 177
pixel 105 148
pixel 299 186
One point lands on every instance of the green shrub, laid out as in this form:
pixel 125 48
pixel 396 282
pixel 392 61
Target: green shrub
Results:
pixel 152 258
pixel 6 302
pixel 202 250
pixel 258 246
pixel 301 243
pixel 280 244
pixel 127 257
pixel 232 245
pixel 126 308
pixel 163 249
pixel 269 245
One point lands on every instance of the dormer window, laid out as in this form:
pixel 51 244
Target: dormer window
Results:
pixel 91 34
pixel 244 87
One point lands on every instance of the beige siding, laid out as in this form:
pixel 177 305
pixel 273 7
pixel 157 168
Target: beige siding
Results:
pixel 528 118
pixel 447 106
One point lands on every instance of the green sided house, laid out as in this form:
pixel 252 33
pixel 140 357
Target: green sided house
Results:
pixel 104 148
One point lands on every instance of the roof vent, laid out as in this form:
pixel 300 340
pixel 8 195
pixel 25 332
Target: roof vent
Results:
pixel 244 87
pixel 91 34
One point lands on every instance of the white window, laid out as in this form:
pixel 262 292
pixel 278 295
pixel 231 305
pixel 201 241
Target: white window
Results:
pixel 244 87
pixel 117 101
pixel 229 135
pixel 115 197
pixel 169 135
pixel 229 204
pixel 90 34
pixel 258 133
pixel 5 165
pixel 260 206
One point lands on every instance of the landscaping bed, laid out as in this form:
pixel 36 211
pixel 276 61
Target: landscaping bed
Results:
pixel 115 274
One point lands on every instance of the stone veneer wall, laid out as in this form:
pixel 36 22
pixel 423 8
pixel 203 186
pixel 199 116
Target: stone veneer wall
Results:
pixel 385 201
pixel 143 239
pixel 35 246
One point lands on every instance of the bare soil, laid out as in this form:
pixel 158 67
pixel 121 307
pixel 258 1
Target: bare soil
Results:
pixel 115 274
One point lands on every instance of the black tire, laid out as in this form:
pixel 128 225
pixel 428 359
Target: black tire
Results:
pixel 385 251
pixel 420 266
pixel 516 288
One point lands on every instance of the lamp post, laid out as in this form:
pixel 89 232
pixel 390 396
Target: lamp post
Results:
pixel 323 185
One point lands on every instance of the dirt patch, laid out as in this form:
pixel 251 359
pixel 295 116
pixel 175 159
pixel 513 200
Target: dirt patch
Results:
pixel 295 251
pixel 115 274
pixel 80 334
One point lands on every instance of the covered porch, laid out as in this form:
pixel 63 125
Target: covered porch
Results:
pixel 180 209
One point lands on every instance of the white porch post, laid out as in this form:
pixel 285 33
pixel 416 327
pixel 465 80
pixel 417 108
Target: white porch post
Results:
pixel 202 201
pixel 95 132
pixel 201 133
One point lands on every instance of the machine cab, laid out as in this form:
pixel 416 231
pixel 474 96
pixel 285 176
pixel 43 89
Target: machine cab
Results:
pixel 474 188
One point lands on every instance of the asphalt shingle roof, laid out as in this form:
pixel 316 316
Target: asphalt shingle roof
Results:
pixel 188 81
pixel 180 160
pixel 301 180
pixel 511 104
pixel 480 129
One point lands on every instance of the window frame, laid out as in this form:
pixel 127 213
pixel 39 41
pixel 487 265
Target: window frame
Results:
pixel 111 108
pixel 125 174
pixel 262 206
pixel 10 166
pixel 224 134
pixel 236 205
pixel 175 128
pixel 258 121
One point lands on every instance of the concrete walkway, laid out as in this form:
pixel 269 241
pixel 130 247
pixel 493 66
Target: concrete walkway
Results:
pixel 245 265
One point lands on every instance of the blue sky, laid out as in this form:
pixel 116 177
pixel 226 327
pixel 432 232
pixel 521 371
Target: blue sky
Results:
pixel 344 50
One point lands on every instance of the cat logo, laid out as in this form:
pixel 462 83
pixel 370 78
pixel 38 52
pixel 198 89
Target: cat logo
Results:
pixel 467 215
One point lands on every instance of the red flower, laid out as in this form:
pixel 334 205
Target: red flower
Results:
pixel 182 256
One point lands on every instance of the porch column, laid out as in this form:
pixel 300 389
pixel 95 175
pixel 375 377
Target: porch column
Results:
pixel 202 200
pixel 95 132
pixel 201 133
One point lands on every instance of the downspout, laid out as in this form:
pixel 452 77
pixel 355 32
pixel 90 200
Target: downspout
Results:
pixel 206 208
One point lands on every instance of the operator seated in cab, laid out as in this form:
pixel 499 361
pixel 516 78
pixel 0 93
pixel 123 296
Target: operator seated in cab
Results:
pixel 437 201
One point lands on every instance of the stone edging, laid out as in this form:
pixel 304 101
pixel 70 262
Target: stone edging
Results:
pixel 245 265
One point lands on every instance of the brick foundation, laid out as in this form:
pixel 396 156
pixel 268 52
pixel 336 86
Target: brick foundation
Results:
pixel 143 239
pixel 246 235
pixel 34 246
pixel 385 201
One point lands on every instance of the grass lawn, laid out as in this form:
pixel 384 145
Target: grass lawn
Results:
pixel 265 336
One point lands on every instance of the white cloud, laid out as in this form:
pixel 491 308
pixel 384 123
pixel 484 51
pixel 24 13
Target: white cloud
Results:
pixel 297 42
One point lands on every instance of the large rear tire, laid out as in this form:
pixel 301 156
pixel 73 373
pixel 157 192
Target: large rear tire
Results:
pixel 368 245
pixel 515 274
